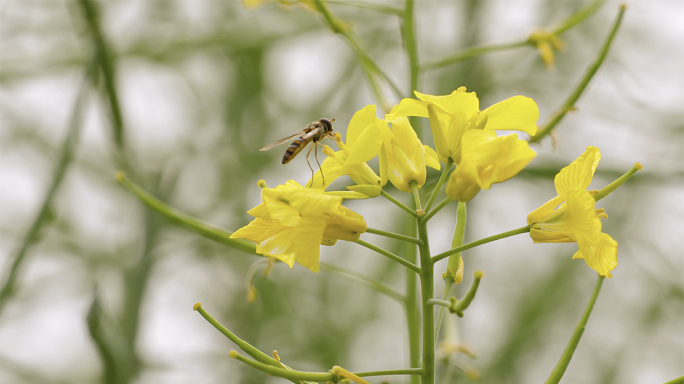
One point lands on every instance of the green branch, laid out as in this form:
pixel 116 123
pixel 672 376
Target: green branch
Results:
pixel 480 242
pixel 389 255
pixel 569 104
pixel 562 365
pixel 184 220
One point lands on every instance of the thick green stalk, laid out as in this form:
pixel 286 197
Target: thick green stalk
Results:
pixel 412 303
pixel 562 365
pixel 426 291
pixel 569 104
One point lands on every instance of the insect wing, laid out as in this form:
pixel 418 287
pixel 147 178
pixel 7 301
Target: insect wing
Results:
pixel 283 140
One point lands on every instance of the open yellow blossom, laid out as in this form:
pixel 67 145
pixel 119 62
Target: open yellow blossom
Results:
pixel 364 140
pixel 404 158
pixel 572 217
pixel 487 159
pixel 293 221
pixel 452 115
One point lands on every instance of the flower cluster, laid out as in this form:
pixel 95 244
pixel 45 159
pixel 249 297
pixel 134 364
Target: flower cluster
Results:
pixel 293 221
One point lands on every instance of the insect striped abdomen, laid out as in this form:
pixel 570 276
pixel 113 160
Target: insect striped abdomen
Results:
pixel 294 148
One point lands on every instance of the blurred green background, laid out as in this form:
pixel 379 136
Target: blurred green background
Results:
pixel 105 288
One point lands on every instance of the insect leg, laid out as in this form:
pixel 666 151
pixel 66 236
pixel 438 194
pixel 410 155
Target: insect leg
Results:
pixel 310 167
pixel 319 164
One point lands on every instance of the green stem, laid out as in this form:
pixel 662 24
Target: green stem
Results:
pixel 564 360
pixel 416 196
pixel 398 203
pixel 351 275
pixel 462 304
pixel 438 208
pixel 679 380
pixel 282 372
pixel 438 187
pixel 591 71
pixel 605 191
pixel 394 236
pixel 407 371
pixel 441 303
pixel 245 346
pixel 389 255
pixel 457 241
pixel 480 242
pixel 184 220
pixel 65 157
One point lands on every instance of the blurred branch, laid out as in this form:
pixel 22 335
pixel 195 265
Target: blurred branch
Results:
pixel 184 220
pixel 354 276
pixel 370 67
pixel 569 104
pixel 104 58
pixel 369 6
pixel 472 52
pixel 65 157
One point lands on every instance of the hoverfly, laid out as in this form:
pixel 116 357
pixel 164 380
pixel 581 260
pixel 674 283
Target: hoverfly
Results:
pixel 315 132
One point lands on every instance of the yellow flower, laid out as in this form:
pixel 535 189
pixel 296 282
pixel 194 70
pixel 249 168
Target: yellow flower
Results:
pixel 404 157
pixel 487 159
pixel 364 140
pixel 292 222
pixel 546 42
pixel 452 115
pixel 571 216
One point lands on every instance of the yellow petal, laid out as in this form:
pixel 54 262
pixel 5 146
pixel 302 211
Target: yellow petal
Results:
pixel 439 124
pixel 410 107
pixel 307 236
pixel 366 189
pixel 458 102
pixel 601 256
pixel 367 144
pixel 259 230
pixel 579 173
pixel 359 122
pixel 546 212
pixel 330 170
pixel 517 113
pixel 431 158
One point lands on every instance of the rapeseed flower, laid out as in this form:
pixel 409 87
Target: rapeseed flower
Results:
pixel 452 115
pixel 572 217
pixel 293 221
pixel 487 159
